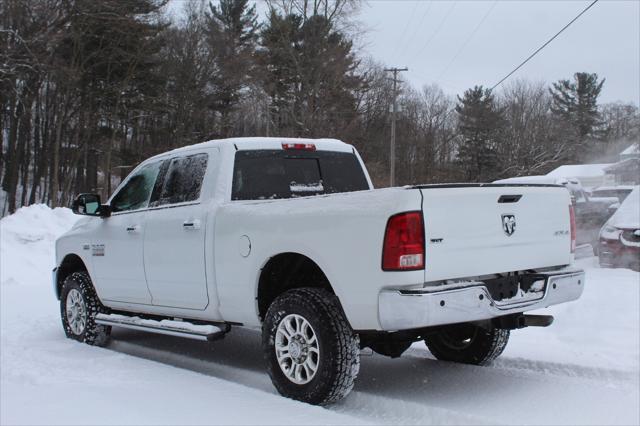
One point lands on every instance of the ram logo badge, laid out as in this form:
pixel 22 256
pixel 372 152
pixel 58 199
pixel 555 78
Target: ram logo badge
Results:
pixel 509 224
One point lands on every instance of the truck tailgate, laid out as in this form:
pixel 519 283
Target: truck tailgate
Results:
pixel 473 230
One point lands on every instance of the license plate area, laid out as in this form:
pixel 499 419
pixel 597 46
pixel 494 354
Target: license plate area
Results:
pixel 516 289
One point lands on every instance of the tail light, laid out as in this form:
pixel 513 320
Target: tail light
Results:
pixel 403 248
pixel 572 219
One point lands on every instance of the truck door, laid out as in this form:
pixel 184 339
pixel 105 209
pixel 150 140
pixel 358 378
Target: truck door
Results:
pixel 117 243
pixel 174 241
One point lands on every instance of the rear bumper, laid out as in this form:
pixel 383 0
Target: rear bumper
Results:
pixel 472 301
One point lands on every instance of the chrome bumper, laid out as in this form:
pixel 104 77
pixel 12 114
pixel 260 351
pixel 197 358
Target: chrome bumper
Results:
pixel 471 301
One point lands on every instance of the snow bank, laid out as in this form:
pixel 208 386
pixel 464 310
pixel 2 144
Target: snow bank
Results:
pixel 26 241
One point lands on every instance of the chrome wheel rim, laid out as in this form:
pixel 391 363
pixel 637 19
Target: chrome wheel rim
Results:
pixel 297 349
pixel 76 311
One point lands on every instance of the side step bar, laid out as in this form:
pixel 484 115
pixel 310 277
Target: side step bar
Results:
pixel 165 326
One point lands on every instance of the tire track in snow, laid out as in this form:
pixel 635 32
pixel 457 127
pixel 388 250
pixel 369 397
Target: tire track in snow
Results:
pixel 547 368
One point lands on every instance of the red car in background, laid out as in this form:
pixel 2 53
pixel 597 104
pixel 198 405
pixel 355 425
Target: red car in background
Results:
pixel 620 236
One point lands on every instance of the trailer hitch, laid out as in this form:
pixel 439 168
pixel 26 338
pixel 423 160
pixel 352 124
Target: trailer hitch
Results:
pixel 515 321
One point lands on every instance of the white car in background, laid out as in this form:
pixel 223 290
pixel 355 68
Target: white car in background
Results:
pixel 620 236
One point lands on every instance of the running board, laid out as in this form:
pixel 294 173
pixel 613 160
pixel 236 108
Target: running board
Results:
pixel 165 326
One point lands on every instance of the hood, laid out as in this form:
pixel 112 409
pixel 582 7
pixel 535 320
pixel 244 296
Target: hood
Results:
pixel 628 215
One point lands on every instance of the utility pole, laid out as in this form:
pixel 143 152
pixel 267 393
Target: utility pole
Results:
pixel 392 157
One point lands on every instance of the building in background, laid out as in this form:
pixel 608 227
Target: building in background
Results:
pixel 589 175
pixel 625 172
pixel 632 151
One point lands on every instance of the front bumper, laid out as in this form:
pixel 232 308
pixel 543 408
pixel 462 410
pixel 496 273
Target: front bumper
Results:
pixel 471 301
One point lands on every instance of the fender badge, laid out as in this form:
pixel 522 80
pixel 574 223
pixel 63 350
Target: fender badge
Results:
pixel 97 249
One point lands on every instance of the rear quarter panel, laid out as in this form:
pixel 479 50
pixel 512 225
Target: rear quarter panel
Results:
pixel 342 233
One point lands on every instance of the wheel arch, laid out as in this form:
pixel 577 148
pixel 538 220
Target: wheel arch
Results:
pixel 70 263
pixel 286 271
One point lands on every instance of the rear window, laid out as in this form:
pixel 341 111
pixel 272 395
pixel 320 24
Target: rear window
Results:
pixel 272 174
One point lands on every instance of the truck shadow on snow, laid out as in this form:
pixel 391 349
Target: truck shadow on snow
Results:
pixel 414 377
pixel 415 388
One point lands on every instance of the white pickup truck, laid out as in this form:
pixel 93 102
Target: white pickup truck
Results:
pixel 290 236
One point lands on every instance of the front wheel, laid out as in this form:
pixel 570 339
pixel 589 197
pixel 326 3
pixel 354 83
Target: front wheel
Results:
pixel 467 343
pixel 311 352
pixel 79 306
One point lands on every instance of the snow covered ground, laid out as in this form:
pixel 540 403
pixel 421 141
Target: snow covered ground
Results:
pixel 584 369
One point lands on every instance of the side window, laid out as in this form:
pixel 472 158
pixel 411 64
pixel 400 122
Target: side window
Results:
pixel 136 192
pixel 182 180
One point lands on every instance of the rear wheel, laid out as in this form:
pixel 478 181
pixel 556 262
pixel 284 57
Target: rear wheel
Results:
pixel 311 352
pixel 467 343
pixel 79 306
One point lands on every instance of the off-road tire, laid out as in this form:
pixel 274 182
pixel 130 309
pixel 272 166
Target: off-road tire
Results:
pixel 482 345
pixel 339 360
pixel 92 334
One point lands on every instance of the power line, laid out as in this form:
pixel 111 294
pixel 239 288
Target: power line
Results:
pixel 475 30
pixel 544 45
pixel 404 32
pixel 421 21
pixel 433 35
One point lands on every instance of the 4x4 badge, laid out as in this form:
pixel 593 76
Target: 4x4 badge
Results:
pixel 509 224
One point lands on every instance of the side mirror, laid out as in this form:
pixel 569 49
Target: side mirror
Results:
pixel 90 205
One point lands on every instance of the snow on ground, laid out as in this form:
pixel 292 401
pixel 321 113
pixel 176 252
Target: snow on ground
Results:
pixel 584 369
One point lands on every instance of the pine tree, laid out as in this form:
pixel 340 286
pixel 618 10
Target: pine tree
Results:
pixel 232 34
pixel 310 74
pixel 480 123
pixel 575 104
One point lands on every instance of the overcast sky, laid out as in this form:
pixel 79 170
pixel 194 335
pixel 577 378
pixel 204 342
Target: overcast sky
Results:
pixel 458 44
pixel 449 43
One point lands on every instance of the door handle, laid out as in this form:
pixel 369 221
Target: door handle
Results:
pixel 191 224
pixel 133 228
